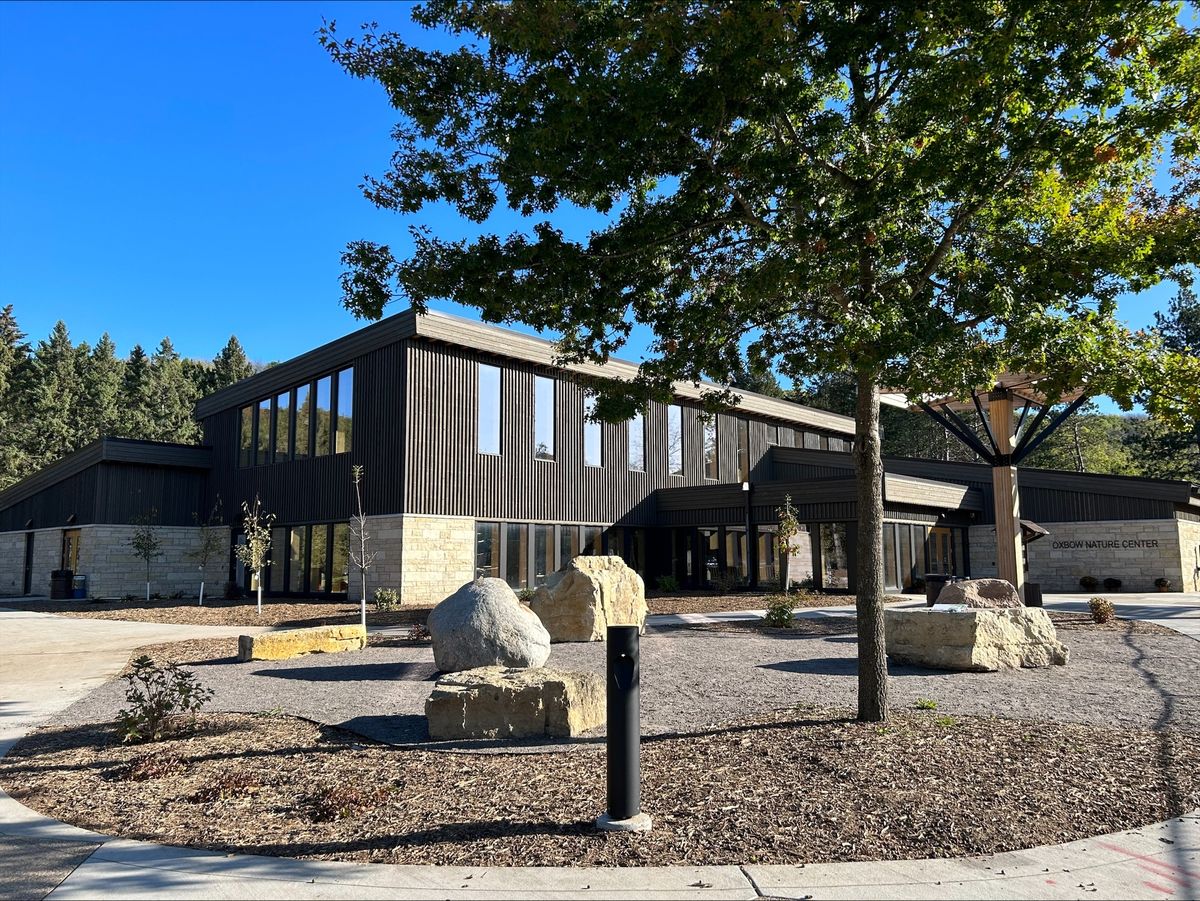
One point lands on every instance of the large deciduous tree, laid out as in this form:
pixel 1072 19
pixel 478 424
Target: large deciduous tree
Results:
pixel 918 194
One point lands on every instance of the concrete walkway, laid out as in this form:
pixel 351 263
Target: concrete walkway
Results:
pixel 50 662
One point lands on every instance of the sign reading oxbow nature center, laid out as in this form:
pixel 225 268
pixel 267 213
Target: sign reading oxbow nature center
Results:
pixel 1101 543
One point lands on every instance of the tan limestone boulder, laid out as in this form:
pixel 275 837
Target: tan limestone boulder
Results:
pixel 288 643
pixel 974 640
pixel 585 597
pixel 502 702
pixel 981 593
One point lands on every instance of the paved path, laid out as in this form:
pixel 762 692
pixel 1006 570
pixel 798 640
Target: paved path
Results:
pixel 49 662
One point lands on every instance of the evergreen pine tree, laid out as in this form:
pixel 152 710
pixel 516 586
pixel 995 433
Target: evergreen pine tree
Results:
pixel 135 396
pixel 229 366
pixel 100 412
pixel 172 395
pixel 49 397
pixel 14 356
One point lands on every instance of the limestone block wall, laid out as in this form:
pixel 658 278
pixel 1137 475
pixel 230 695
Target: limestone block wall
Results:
pixel 385 541
pixel 1189 564
pixel 108 561
pixel 12 563
pixel 1135 551
pixel 981 545
pixel 438 557
pixel 47 555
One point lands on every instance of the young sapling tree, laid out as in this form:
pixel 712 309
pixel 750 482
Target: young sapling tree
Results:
pixel 360 556
pixel 212 541
pixel 146 544
pixel 789 528
pixel 253 554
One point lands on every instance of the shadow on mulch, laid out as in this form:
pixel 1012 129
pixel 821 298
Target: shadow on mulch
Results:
pixel 357 672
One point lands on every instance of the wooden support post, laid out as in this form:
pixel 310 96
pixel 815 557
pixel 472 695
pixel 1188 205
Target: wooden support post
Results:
pixel 1009 550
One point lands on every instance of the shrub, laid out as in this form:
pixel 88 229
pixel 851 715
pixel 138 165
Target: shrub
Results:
pixel 1111 584
pixel 926 704
pixel 725 582
pixel 524 595
pixel 1102 609
pixel 342 802
pixel 155 694
pixel 233 591
pixel 779 611
pixel 946 721
pixel 1089 583
pixel 176 595
pixel 668 583
pixel 419 633
pixel 387 599
pixel 1162 584
pixel 129 598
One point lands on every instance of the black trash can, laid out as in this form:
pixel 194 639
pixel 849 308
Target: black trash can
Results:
pixel 1033 594
pixel 61 584
pixel 934 583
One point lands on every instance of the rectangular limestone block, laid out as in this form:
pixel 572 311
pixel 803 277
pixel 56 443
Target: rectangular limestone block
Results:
pixel 978 640
pixel 288 643
pixel 501 702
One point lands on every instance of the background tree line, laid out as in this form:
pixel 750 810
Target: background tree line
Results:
pixel 57 396
pixel 1089 441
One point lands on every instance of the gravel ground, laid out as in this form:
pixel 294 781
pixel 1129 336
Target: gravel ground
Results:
pixel 684 602
pixel 696 677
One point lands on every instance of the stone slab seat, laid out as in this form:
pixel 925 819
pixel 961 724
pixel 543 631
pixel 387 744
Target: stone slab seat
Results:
pixel 508 702
pixel 974 640
pixel 287 643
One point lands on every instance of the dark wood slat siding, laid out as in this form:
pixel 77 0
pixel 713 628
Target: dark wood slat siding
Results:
pixel 319 489
pixel 446 475
pixel 125 493
pixel 74 495
pixel 1046 496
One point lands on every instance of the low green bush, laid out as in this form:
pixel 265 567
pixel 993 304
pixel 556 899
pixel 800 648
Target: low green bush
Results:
pixel 1089 583
pixel 1102 609
pixel 387 599
pixel 156 695
pixel 779 611
pixel 667 583
pixel 926 704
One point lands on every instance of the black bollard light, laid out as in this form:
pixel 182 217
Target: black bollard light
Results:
pixel 623 698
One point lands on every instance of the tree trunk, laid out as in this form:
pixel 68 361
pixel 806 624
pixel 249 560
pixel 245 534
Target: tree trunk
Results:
pixel 872 651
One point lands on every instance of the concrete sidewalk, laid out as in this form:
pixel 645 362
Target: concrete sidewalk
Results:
pixel 57 660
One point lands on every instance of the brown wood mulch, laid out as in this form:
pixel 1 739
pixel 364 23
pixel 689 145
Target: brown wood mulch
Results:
pixel 219 612
pixel 795 786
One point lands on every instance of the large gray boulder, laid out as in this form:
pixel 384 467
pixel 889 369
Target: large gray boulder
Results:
pixel 986 594
pixel 483 624
pixel 585 597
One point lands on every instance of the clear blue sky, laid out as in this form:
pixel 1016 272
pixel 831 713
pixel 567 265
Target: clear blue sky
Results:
pixel 191 170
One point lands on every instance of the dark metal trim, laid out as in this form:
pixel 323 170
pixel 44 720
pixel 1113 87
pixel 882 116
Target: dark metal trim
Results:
pixel 957 428
pixel 1021 453
pixel 987 423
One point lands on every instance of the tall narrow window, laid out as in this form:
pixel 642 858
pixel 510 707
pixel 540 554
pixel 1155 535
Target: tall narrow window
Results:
pixel 318 570
pixel 637 443
pixel 283 426
pixel 489 409
pixel 303 446
pixel 487 550
pixel 543 418
pixel 246 437
pixel 324 387
pixel 568 544
pixel 345 411
pixel 340 554
pixel 297 557
pixel 743 450
pixel 276 571
pixel 593 540
pixel 711 468
pixel 593 435
pixel 772 435
pixel 264 432
pixel 675 439
pixel 543 553
pixel 516 554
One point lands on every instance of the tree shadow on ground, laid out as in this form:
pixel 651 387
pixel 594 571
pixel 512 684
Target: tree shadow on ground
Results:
pixel 844 666
pixel 357 672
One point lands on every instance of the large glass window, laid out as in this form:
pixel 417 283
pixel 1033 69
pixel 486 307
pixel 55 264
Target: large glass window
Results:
pixel 277 571
pixel 543 553
pixel 340 554
pixel 772 435
pixel 675 439
pixel 324 387
pixel 516 554
pixel 283 426
pixel 593 435
pixel 812 441
pixel 318 569
pixel 835 561
pixel 489 409
pixel 543 418
pixel 263 455
pixel 907 561
pixel 743 449
pixel 345 411
pixel 637 443
pixel 303 446
pixel 768 557
pixel 246 437
pixel 710 550
pixel 593 541
pixel 297 557
pixel 711 468
pixel 891 574
pixel 487 550
pixel 568 545
pixel 736 560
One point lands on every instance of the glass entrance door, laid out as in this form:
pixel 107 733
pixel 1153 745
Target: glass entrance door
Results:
pixel 942 553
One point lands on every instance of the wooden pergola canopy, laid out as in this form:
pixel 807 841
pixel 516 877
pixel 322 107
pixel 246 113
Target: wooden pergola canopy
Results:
pixel 1020 386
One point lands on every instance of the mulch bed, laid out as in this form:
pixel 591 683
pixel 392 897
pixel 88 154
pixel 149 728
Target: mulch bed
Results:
pixel 795 786
pixel 219 612
pixel 1083 622
pixel 749 600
